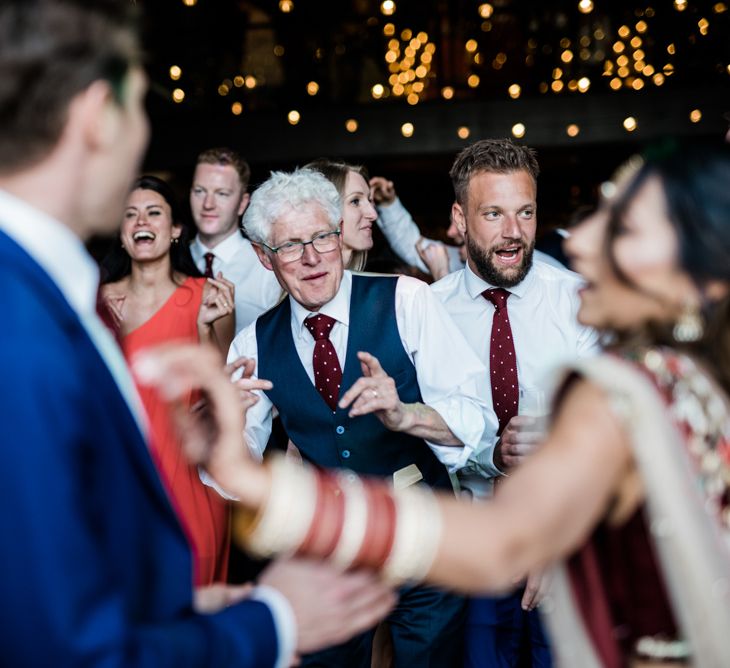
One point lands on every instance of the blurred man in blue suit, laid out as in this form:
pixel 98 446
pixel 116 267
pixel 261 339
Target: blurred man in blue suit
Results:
pixel 96 569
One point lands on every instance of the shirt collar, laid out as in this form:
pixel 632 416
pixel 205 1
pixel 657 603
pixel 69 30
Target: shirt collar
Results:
pixel 338 307
pixel 226 249
pixel 55 248
pixel 475 285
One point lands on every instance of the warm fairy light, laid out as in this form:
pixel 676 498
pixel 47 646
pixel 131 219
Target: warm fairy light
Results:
pixel 543 87
pixel 572 130
pixel 564 43
pixel 641 27
pixel 636 42
pixel 585 6
pixel 236 108
pixel 619 47
pixel 421 71
pixel 238 81
pixel 501 58
pixel 572 85
pixel 407 129
pixel 704 26
pixel 312 88
pixel 668 69
pixel 422 37
pixel 658 79
pixel 412 98
pixel 719 7
pixel 387 8
pixel 556 86
pixel 518 130
pixel 514 91
pixel 286 6
pixel 223 89
pixel 377 91
pixel 680 5
pixel 406 34
pixel 391 56
pixel 486 10
pixel 190 3
pixel 639 66
pixel 598 34
pixel 648 70
pixel 389 29
pixel 473 81
pixel 671 49
pixel 293 117
pixel 629 124
pixel 615 83
pixel 584 83
pixel 622 61
pixel 178 95
pixel 566 56
pixel 447 92
pixel 623 72
pixel 278 50
pixel 637 84
pixel 695 115
pixel 251 81
pixel 638 55
pixel 557 73
pixel 463 132
pixel 175 72
pixel 471 45
pixel 624 31
pixel 351 125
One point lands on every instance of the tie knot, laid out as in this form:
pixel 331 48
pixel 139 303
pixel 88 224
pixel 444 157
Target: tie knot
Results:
pixel 498 297
pixel 209 257
pixel 320 326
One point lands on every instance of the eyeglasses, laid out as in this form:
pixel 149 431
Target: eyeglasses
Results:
pixel 291 251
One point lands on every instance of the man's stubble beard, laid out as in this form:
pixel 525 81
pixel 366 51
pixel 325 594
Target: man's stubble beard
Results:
pixel 485 267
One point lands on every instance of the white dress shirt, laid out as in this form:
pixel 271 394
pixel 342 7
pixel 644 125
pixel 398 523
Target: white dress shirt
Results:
pixel 257 289
pixel 451 378
pixel 64 258
pixel 543 316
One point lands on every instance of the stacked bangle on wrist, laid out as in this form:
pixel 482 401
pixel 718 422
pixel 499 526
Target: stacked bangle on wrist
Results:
pixel 354 522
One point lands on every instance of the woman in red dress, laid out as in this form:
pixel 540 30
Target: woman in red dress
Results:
pixel 154 294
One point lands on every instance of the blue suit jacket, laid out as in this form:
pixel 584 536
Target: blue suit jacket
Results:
pixel 95 567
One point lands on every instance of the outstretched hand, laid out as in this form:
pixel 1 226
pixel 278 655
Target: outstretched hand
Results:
pixel 382 190
pixel 375 392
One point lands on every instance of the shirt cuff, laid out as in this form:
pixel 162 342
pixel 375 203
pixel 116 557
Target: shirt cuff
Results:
pixel 207 480
pixel 284 621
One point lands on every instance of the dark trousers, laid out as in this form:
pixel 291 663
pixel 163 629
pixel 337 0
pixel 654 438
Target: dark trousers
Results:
pixel 427 627
pixel 500 634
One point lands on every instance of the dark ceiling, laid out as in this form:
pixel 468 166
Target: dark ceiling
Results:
pixel 455 69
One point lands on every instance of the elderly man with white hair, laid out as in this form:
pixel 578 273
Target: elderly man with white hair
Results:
pixel 370 374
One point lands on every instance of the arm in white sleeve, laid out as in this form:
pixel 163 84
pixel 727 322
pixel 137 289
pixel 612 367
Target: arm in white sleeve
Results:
pixel 401 232
pixel 258 416
pixel 451 378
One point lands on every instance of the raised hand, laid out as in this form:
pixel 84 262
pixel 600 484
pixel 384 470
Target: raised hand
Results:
pixel 382 190
pixel 375 392
pixel 218 300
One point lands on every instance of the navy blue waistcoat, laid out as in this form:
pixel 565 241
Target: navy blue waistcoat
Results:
pixel 332 439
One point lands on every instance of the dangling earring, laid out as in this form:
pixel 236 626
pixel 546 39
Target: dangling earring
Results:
pixel 174 240
pixel 689 326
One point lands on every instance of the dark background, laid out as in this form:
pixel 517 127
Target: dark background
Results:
pixel 341 45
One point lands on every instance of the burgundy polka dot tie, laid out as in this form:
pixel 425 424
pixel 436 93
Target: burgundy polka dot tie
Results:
pixel 502 359
pixel 327 372
pixel 209 257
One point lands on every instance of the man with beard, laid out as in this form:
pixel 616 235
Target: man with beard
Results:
pixel 519 315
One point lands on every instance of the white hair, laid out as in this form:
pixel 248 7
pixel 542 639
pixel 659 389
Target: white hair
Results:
pixel 284 191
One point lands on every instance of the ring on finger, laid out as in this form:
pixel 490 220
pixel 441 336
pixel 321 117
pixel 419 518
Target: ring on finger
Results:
pixel 375 394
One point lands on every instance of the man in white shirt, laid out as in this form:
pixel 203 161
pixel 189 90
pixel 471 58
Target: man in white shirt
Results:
pixel 386 387
pixel 495 184
pixel 106 568
pixel 218 198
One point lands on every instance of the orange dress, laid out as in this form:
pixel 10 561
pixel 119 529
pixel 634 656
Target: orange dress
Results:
pixel 202 512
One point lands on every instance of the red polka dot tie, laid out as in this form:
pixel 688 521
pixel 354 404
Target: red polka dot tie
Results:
pixel 502 359
pixel 209 257
pixel 327 372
